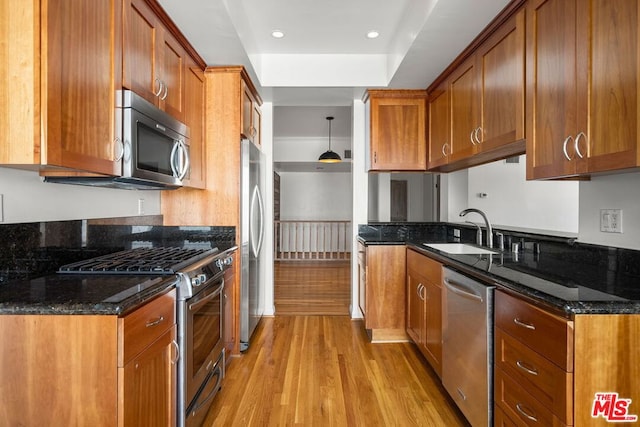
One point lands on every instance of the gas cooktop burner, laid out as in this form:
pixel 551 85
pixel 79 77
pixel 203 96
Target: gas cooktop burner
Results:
pixel 157 261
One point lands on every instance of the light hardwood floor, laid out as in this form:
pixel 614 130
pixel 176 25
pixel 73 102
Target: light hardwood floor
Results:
pixel 322 371
pixel 312 287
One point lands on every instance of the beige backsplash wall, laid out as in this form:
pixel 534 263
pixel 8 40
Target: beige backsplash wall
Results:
pixel 25 198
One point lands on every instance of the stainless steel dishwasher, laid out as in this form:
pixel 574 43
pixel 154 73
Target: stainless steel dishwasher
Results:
pixel 467 347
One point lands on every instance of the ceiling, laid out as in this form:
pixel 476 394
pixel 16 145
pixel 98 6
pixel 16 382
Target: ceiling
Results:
pixel 325 58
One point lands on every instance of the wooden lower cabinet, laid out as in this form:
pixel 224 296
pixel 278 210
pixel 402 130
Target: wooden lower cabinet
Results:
pixel 424 306
pixel 551 368
pixel 384 289
pixel 93 370
pixel 230 320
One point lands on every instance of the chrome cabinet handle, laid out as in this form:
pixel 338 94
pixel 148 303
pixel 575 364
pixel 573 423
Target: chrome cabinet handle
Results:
pixel 166 91
pixel 444 149
pixel 473 131
pixel 156 322
pixel 576 145
pixel 159 83
pixel 524 324
pixel 526 414
pixel 475 134
pixel 564 147
pixel 529 370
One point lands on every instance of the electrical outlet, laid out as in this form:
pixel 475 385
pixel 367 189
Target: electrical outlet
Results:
pixel 456 233
pixel 611 220
pixel 140 206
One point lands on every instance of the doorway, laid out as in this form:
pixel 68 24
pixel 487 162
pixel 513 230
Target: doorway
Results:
pixel 398 193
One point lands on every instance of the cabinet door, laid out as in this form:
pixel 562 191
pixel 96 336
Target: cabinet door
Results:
pixel 502 85
pixel 439 127
pixel 171 73
pixel 433 325
pixel 551 88
pixel 80 56
pixel 140 50
pixel 229 332
pixel 608 70
pixel 247 113
pixel 256 120
pixel 149 384
pixel 415 306
pixel 398 133
pixel 464 110
pixel 362 279
pixel 386 287
pixel 194 118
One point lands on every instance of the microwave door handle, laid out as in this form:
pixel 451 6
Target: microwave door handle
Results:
pixel 173 158
pixel 184 160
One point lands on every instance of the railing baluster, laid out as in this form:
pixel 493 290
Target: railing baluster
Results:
pixel 312 240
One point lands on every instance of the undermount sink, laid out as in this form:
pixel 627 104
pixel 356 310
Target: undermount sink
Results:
pixel 459 248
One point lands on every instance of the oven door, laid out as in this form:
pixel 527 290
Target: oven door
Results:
pixel 203 335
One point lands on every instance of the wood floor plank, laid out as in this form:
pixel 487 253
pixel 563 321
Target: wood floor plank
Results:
pixel 323 371
pixel 312 288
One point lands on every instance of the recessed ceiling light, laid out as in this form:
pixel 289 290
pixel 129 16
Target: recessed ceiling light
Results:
pixel 277 34
pixel 373 34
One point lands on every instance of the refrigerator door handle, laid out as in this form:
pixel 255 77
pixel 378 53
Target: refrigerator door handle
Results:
pixel 256 197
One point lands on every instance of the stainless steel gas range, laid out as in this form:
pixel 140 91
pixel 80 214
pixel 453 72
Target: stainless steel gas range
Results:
pixel 200 314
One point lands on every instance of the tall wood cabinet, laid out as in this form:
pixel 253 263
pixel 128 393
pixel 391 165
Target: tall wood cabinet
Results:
pixel 397 130
pixel 424 306
pixel 65 117
pixel 90 369
pixel 219 203
pixel 582 87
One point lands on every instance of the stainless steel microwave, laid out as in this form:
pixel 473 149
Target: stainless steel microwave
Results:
pixel 156 146
pixel 154 149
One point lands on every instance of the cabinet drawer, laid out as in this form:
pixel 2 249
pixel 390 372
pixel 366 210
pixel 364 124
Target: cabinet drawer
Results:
pixel 520 406
pixel 501 420
pixel 139 329
pixel 548 334
pixel 425 266
pixel 545 381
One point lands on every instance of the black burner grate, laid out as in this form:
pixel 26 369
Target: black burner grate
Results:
pixel 156 261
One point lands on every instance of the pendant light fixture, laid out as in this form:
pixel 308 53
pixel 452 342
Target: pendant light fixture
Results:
pixel 329 156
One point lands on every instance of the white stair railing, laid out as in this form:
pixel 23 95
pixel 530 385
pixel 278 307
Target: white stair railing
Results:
pixel 312 240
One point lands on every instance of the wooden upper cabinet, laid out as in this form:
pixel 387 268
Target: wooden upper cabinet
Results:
pixel 251 115
pixel 66 114
pixel 397 130
pixel 194 118
pixel 501 87
pixel 153 59
pixel 439 126
pixel 464 110
pixel 477 109
pixel 582 91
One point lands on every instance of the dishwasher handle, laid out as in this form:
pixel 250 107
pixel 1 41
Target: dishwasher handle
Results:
pixel 462 290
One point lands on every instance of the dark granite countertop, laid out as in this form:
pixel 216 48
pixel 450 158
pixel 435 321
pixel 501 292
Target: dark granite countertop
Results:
pixel 81 294
pixel 569 277
pixel 31 253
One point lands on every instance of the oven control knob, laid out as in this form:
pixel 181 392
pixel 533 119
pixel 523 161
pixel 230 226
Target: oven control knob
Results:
pixel 195 281
pixel 228 261
pixel 219 263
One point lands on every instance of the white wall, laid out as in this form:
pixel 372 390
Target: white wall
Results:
pixel 315 196
pixel 511 200
pixel 359 190
pixel 27 199
pixel 611 192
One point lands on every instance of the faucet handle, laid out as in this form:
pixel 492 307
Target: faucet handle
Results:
pixel 500 241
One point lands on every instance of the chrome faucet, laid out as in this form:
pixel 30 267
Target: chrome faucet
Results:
pixel 486 222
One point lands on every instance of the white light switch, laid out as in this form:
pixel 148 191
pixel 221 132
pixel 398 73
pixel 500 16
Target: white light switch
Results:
pixel 611 220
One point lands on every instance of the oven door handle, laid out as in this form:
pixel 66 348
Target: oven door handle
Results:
pixel 196 305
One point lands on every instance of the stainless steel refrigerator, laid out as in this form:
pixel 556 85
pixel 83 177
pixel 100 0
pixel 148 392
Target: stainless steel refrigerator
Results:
pixel 251 232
